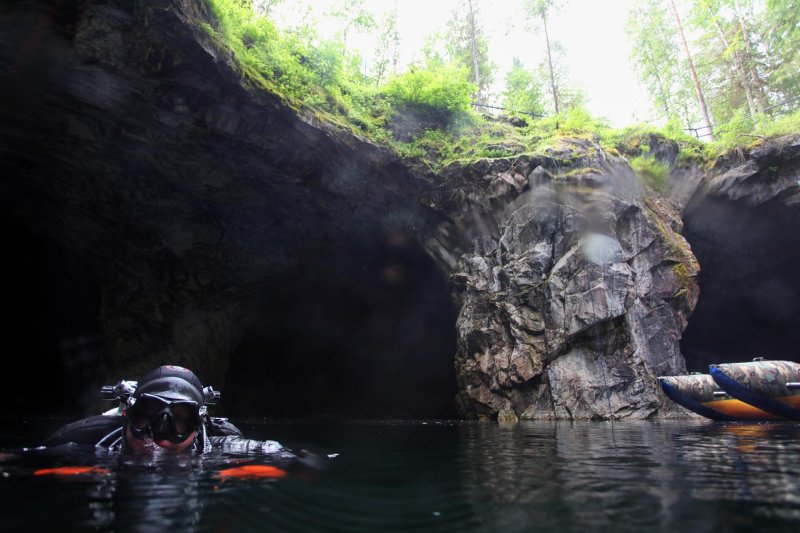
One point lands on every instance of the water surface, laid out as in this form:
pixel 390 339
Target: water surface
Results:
pixel 431 476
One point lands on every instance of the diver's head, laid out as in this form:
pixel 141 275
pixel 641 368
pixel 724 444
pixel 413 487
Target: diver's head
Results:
pixel 167 409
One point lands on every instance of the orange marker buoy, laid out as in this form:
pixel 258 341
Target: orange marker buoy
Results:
pixel 252 472
pixel 71 470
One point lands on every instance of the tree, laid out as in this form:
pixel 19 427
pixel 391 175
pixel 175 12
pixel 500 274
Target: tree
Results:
pixel 732 61
pixel 731 50
pixel 749 55
pixel 667 74
pixel 698 89
pixel 473 41
pixel 263 8
pixel 353 15
pixel 387 50
pixel 653 44
pixel 539 10
pixel 522 92
pixel 780 30
pixel 744 55
pixel 468 47
pixel 439 93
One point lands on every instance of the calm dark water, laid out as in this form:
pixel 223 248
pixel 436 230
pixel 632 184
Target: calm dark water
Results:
pixel 435 476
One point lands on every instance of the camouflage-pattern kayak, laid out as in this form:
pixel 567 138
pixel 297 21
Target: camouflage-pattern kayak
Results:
pixel 699 393
pixel 773 386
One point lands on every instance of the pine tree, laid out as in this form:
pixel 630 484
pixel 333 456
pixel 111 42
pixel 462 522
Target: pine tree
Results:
pixel 698 89
pixel 539 10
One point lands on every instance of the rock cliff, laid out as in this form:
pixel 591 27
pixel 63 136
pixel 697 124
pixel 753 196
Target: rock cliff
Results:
pixel 132 139
pixel 225 227
pixel 575 292
pixel 744 226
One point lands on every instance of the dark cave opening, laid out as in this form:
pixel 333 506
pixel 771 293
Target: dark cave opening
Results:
pixel 350 335
pixel 749 303
pixel 51 327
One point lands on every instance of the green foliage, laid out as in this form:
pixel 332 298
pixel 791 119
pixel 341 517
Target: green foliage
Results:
pixel 578 119
pixel 523 93
pixel 782 126
pixel 634 141
pixel 654 173
pixel 443 91
pixel 553 67
pixel 470 139
pixel 464 30
pixel 743 131
pixel 780 27
pixel 747 58
pixel 324 77
pixel 674 129
pixel 541 8
pixel 731 132
pixel 656 57
pixel 387 51
pixel 304 70
pixel 353 16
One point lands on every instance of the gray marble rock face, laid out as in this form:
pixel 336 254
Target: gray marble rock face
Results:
pixel 770 172
pixel 575 298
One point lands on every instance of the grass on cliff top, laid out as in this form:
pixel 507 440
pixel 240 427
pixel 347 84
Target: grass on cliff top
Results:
pixel 315 76
pixel 307 74
pixel 475 137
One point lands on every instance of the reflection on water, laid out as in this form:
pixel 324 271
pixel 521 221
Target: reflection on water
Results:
pixel 464 476
pixel 638 475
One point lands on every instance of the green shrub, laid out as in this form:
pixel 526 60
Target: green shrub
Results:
pixel 653 172
pixel 578 119
pixel 733 132
pixel 674 129
pixel 444 91
pixel 321 75
pixel 781 126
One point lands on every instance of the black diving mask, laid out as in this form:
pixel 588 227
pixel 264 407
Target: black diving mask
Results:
pixel 164 419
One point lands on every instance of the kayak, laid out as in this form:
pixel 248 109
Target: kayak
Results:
pixel 772 386
pixel 700 394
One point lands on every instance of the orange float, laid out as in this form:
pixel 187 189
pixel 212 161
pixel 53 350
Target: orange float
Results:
pixel 252 472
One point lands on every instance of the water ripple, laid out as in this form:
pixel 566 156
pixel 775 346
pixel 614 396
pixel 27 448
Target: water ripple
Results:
pixel 438 477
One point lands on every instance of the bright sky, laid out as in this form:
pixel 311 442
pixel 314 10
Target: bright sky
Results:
pixel 591 31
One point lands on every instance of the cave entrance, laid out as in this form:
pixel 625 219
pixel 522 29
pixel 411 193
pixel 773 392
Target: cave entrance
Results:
pixel 749 303
pixel 357 333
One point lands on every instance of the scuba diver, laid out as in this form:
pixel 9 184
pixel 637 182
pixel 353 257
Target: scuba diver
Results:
pixel 168 410
pixel 166 454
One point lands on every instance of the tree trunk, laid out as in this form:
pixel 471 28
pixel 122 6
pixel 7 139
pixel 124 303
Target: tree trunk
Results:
pixel 475 64
pixel 756 82
pixel 396 37
pixel 661 91
pixel 738 62
pixel 700 98
pixel 553 86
